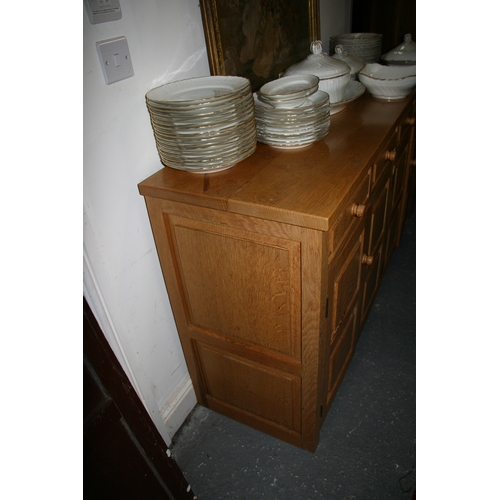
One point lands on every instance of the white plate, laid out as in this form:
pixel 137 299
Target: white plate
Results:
pixel 286 144
pixel 289 87
pixel 202 127
pixel 310 104
pixel 206 167
pixel 198 89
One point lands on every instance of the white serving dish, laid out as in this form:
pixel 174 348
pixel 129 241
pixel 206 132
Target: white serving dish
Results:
pixel 388 83
pixel 334 75
pixel 355 63
pixel 404 54
pixel 354 90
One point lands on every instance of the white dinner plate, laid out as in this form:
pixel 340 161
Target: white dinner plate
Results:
pixel 199 89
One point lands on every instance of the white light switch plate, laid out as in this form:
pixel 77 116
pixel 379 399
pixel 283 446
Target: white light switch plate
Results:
pixel 101 11
pixel 115 59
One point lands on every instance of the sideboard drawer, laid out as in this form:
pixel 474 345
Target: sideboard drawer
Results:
pixel 386 156
pixel 352 214
pixel 407 122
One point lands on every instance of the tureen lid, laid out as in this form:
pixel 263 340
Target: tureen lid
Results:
pixel 354 62
pixel 319 63
pixel 404 53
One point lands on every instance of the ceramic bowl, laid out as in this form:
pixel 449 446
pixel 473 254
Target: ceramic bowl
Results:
pixel 388 83
pixel 404 54
pixel 335 87
pixel 333 74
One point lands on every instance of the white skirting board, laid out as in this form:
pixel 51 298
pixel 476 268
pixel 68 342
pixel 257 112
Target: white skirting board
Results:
pixel 178 406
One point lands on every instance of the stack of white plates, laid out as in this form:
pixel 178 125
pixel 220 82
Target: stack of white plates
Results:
pixel 203 124
pixel 293 127
pixel 289 91
pixel 366 46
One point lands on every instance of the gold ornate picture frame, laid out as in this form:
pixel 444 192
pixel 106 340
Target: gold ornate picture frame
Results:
pixel 258 39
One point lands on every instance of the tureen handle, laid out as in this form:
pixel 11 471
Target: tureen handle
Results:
pixel 316 47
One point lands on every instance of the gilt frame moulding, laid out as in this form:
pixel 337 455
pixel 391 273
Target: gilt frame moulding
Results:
pixel 258 39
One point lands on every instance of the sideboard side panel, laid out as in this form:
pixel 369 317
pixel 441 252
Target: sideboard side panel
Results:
pixel 246 297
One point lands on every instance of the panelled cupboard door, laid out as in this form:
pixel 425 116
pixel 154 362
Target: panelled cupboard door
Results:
pixel 252 282
pixel 372 280
pixel 393 233
pixel 398 177
pixel 376 239
pixel 344 287
pixel 344 280
pixel 408 134
pixel 341 351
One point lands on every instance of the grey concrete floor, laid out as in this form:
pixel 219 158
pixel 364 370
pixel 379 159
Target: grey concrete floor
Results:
pixel 367 444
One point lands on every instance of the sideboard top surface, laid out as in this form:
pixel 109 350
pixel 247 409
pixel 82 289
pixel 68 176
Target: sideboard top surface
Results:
pixel 304 186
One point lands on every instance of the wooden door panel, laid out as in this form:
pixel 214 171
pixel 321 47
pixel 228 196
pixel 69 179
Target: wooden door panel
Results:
pixel 345 278
pixel 398 177
pixel 259 390
pixel 109 438
pixel 409 199
pixel 124 456
pixel 392 238
pixel 239 284
pixel 341 354
pixel 378 218
pixel 371 281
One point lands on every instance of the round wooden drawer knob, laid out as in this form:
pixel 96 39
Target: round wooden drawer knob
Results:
pixel 390 155
pixel 413 163
pixel 367 259
pixel 358 210
pixel 410 121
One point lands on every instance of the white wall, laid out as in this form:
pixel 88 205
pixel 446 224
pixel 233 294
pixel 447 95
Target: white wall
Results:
pixel 335 19
pixel 122 278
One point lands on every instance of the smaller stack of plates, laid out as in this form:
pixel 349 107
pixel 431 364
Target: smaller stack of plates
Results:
pixel 289 91
pixel 366 46
pixel 203 124
pixel 293 127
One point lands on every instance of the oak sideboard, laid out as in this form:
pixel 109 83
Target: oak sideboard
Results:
pixel 272 265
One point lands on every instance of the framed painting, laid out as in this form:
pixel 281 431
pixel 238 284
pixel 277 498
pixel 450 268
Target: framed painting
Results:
pixel 258 39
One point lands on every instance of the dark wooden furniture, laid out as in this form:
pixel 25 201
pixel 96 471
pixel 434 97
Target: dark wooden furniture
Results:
pixel 272 266
pixel 124 456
